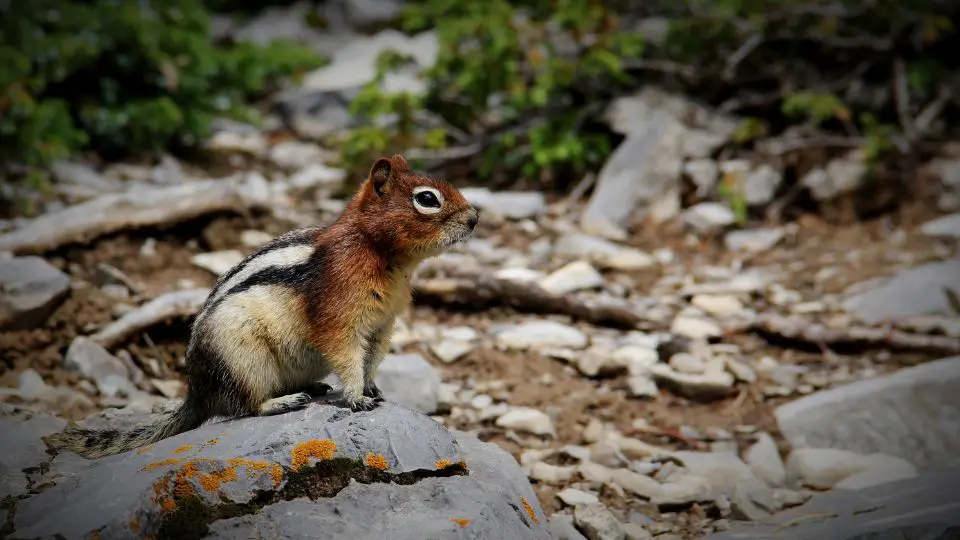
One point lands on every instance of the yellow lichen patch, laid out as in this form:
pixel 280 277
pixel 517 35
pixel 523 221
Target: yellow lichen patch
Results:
pixel 462 522
pixel 134 525
pixel 377 461
pixel 211 481
pixel 144 449
pixel 182 449
pixel 212 442
pixel 314 448
pixel 95 535
pixel 158 464
pixel 529 509
pixel 442 464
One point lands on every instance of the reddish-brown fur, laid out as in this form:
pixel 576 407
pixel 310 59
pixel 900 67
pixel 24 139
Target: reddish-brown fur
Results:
pixel 372 249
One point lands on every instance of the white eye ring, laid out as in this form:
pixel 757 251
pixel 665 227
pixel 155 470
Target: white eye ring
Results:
pixel 423 208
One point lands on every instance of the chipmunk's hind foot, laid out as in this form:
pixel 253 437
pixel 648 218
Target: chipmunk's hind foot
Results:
pixel 363 404
pixel 285 404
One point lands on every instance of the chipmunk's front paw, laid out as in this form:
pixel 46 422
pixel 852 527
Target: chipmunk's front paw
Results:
pixel 374 392
pixel 364 403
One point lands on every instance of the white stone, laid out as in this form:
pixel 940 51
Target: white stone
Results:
pixel 575 276
pixel 316 175
pixel 541 334
pixel 450 350
pixel 706 386
pixel 824 468
pixel 946 227
pixel 760 185
pixel 30 290
pixel 708 216
pixel 294 154
pixel 753 240
pixel 94 362
pixel 687 363
pixel 409 380
pixel 642 386
pixel 841 175
pixel 636 358
pixel 717 304
pixel 218 262
pixel 764 458
pixel 551 474
pixel 527 419
pixel 695 328
pixel 515 205
pixel 575 497
pixel 597 522
pixel 703 173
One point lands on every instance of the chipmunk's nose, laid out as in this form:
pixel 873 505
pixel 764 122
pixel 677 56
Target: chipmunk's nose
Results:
pixel 474 218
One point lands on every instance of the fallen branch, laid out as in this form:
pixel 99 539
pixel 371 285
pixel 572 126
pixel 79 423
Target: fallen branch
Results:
pixel 486 289
pixel 168 306
pixel 139 207
pixel 797 329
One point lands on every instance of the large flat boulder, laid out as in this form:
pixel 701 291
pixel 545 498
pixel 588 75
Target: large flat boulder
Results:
pixel 305 474
pixel 926 507
pixel 913 414
pixel 910 293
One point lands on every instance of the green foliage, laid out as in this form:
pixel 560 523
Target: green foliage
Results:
pixel 499 55
pixel 116 77
pixel 818 106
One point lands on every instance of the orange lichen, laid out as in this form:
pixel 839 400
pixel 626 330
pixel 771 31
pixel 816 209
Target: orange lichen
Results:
pixel 134 525
pixel 212 441
pixel 377 461
pixel 277 474
pixel 158 464
pixel 442 464
pixel 314 448
pixel 95 535
pixel 462 522
pixel 529 509
pixel 144 449
pixel 182 449
pixel 168 504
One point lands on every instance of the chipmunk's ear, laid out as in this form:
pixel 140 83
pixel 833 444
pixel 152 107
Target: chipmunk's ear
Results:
pixel 380 175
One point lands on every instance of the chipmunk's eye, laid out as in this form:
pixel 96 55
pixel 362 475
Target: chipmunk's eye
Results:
pixel 427 200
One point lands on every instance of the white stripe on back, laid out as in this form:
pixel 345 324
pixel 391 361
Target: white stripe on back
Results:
pixel 277 258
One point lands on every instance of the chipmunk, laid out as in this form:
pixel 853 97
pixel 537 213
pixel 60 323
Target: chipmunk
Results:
pixel 311 302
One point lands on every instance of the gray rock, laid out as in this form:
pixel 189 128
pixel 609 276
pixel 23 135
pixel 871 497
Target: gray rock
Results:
pixel 596 522
pixel 708 216
pixel 408 379
pixel 269 462
pixel 21 447
pixel 368 13
pixel 913 414
pixel 106 371
pixel 561 527
pixel 218 262
pixel 510 204
pixel 30 289
pixel 946 226
pixel 921 508
pixel 753 240
pixel 705 386
pixel 32 388
pixel 644 167
pixel 913 292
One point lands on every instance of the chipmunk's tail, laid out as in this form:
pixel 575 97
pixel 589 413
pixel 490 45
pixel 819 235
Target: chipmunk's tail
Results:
pixel 97 443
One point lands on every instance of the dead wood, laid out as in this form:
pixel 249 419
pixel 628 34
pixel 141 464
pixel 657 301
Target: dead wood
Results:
pixel 165 307
pixel 818 335
pixel 482 289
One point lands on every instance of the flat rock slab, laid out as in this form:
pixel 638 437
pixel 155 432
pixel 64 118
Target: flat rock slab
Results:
pixel 21 447
pixel 926 507
pixel 233 466
pixel 914 292
pixel 913 414
pixel 494 501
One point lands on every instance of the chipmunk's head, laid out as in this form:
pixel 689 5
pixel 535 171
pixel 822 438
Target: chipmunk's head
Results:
pixel 410 214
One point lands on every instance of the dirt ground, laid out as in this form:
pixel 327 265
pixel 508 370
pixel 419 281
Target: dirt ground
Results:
pixel 527 378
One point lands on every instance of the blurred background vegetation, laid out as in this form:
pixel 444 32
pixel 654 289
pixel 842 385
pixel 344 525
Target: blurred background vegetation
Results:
pixel 518 85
